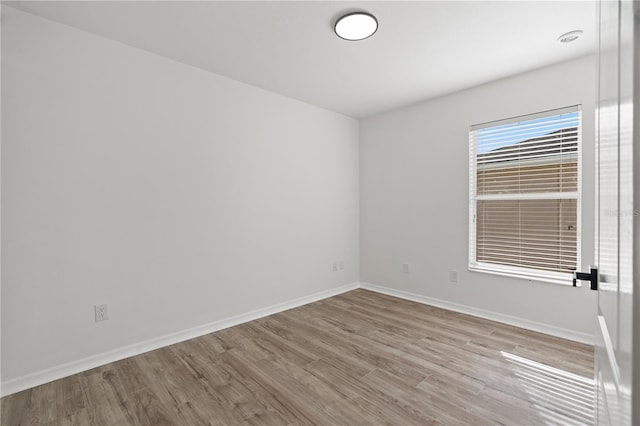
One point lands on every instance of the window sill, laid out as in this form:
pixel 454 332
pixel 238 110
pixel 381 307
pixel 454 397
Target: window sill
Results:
pixel 565 280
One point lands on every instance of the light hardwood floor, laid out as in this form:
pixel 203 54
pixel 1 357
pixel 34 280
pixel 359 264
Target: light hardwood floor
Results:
pixel 359 358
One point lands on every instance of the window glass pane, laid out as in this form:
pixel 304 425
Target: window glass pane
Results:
pixel 524 193
pixel 515 179
pixel 522 133
pixel 538 234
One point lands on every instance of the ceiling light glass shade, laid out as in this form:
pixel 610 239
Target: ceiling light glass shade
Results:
pixel 356 26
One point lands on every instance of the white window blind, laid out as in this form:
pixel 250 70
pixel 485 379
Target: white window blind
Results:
pixel 524 191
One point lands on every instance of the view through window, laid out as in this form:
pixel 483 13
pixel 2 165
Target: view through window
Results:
pixel 525 194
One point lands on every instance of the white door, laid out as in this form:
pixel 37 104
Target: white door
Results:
pixel 614 186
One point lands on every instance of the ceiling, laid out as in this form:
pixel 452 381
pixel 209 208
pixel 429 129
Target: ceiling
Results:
pixel 421 50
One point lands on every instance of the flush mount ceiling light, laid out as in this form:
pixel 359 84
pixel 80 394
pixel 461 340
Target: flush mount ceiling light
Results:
pixel 356 26
pixel 570 36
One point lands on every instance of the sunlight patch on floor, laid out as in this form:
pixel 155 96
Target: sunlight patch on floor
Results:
pixel 561 397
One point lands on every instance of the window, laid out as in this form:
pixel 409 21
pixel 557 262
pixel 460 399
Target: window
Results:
pixel 524 195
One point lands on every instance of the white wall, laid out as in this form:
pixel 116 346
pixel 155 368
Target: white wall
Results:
pixel 175 196
pixel 414 197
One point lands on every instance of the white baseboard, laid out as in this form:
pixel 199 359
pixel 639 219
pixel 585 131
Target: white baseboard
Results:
pixel 481 313
pixel 54 373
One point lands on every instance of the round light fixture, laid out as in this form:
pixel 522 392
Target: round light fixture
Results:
pixel 570 36
pixel 356 26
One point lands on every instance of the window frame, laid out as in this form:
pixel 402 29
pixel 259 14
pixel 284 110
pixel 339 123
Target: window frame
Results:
pixel 529 274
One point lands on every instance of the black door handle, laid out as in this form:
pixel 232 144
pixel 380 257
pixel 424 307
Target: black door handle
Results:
pixel 591 276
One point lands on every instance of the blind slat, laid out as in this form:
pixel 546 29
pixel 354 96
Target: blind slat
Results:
pixel 563 136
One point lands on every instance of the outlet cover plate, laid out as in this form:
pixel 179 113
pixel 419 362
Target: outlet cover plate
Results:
pixel 101 312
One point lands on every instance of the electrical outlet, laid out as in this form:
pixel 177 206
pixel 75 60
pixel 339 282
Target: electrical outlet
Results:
pixel 405 268
pixel 335 266
pixel 453 276
pixel 101 313
pixel 341 266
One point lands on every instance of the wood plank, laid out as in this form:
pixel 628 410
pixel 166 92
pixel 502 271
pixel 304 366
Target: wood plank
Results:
pixel 78 418
pixel 105 407
pixel 16 409
pixel 366 398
